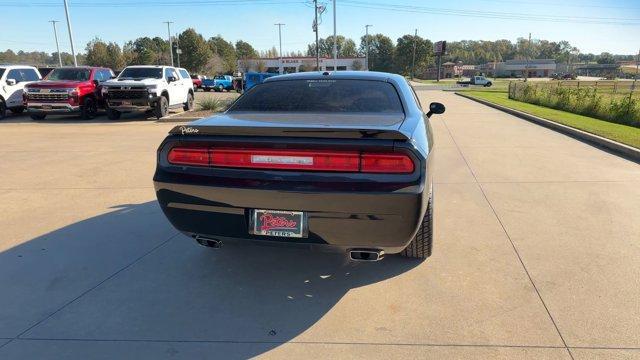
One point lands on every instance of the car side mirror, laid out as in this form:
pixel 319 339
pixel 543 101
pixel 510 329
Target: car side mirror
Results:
pixel 171 79
pixel 96 82
pixel 435 108
pixel 11 82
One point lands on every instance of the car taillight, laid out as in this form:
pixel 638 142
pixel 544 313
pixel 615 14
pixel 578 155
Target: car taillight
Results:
pixel 305 160
pixel 189 156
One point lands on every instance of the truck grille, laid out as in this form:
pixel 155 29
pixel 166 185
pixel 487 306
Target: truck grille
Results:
pixel 48 96
pixel 120 94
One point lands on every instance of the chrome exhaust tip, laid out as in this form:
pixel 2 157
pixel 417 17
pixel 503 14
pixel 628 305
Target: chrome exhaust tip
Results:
pixel 366 255
pixel 208 242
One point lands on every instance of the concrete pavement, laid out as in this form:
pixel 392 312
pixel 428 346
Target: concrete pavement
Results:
pixel 536 256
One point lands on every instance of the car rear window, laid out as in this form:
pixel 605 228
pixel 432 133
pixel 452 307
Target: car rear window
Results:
pixel 320 95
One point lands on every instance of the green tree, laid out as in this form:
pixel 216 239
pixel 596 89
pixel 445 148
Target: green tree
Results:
pixel 225 51
pixel 346 47
pixel 244 50
pixel 196 53
pixel 100 53
pixel 606 58
pixel 381 52
pixel 403 59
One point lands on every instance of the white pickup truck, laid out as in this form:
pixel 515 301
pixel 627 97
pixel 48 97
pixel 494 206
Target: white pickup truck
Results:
pixel 13 79
pixel 150 88
pixel 477 80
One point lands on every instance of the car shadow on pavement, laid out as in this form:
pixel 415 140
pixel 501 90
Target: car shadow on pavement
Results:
pixel 128 276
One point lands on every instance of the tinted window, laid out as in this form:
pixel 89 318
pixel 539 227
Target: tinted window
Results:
pixel 1 72
pixel 15 75
pixel 30 75
pixel 184 74
pixel 107 74
pixel 69 74
pixel 321 96
pixel 141 73
pixel 219 77
pixel 169 72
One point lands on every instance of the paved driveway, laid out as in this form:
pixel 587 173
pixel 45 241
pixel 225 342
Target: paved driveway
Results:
pixel 537 256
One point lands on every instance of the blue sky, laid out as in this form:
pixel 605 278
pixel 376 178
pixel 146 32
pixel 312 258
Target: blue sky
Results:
pixel 591 25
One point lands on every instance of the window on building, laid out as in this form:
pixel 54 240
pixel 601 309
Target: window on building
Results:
pixel 342 68
pixel 329 68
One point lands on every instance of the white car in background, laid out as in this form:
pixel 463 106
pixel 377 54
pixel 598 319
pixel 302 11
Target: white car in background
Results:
pixel 13 79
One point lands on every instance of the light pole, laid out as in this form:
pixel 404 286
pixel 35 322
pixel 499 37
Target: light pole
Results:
pixel 170 44
pixel 315 28
pixel 73 51
pixel 366 37
pixel 281 67
pixel 55 34
pixel 335 39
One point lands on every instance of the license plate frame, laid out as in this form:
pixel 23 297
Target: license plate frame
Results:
pixel 278 223
pixel 125 103
pixel 47 107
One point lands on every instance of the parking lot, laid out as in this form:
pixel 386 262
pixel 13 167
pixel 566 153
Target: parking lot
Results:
pixel 536 255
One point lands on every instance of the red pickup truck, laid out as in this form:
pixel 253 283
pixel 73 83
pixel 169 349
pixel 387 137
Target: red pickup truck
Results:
pixel 67 90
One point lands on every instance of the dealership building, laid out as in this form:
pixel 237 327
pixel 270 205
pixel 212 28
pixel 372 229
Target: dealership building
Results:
pixel 298 64
pixel 515 68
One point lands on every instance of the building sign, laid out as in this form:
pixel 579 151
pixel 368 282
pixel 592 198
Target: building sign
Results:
pixel 440 47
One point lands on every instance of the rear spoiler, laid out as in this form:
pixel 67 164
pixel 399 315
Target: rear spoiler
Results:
pixel 388 133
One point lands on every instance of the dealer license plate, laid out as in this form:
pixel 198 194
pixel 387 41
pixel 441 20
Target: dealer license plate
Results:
pixel 278 223
pixel 46 107
pixel 126 103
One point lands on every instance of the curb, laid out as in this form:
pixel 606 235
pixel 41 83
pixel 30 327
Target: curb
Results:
pixel 615 147
pixel 177 119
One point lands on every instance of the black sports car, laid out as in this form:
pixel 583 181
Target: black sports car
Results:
pixel 339 159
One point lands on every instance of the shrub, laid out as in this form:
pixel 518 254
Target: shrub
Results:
pixel 213 104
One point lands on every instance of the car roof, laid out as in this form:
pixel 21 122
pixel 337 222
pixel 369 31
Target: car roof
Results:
pixel 148 66
pixel 13 66
pixel 350 75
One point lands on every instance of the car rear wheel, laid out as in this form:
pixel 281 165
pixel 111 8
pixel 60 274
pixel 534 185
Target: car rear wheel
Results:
pixel 421 245
pixel 38 116
pixel 162 107
pixel 3 109
pixel 113 114
pixel 89 109
pixel 188 106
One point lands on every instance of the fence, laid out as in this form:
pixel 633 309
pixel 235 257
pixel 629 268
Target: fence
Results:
pixel 614 101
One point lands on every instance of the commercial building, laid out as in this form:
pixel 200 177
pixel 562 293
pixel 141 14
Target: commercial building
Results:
pixel 298 64
pixel 519 68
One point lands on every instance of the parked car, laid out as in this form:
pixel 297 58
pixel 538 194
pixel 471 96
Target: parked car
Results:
pixel 67 90
pixel 340 159
pixel 252 79
pixel 218 83
pixel 476 80
pixel 150 88
pixel 13 79
pixel 569 76
pixel 197 81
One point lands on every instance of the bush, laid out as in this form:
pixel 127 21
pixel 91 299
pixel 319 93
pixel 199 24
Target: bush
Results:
pixel 213 104
pixel 621 109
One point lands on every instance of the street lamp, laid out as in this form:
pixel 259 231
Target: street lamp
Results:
pixel 55 33
pixel 281 67
pixel 366 38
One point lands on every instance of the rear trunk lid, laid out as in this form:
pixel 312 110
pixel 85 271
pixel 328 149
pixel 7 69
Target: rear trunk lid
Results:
pixel 313 125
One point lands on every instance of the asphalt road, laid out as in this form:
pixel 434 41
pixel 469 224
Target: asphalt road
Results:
pixel 536 256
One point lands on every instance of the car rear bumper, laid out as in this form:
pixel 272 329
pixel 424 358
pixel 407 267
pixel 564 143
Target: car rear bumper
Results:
pixel 52 108
pixel 382 220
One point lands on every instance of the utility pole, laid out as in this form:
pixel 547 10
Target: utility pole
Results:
pixel 366 31
pixel 335 39
pixel 527 54
pixel 178 51
pixel 281 67
pixel 55 33
pixel 73 51
pixel 413 63
pixel 637 70
pixel 315 28
pixel 170 43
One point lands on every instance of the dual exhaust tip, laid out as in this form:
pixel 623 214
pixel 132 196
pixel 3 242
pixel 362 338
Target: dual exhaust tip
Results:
pixel 355 254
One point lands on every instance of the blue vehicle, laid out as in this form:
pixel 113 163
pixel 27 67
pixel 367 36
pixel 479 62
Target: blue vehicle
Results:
pixel 252 79
pixel 218 83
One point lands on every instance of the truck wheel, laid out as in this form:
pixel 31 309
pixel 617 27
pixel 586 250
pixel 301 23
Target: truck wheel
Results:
pixel 113 114
pixel 421 245
pixel 206 89
pixel 17 110
pixel 220 88
pixel 188 106
pixel 3 109
pixel 162 107
pixel 89 109
pixel 38 116
pixel 488 84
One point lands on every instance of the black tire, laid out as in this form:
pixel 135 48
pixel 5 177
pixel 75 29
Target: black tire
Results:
pixel 113 114
pixel 188 106
pixel 89 109
pixel 162 107
pixel 38 116
pixel 17 110
pixel 421 245
pixel 488 84
pixel 219 88
pixel 206 89
pixel 3 109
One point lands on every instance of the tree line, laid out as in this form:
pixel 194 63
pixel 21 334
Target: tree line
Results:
pixel 219 56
